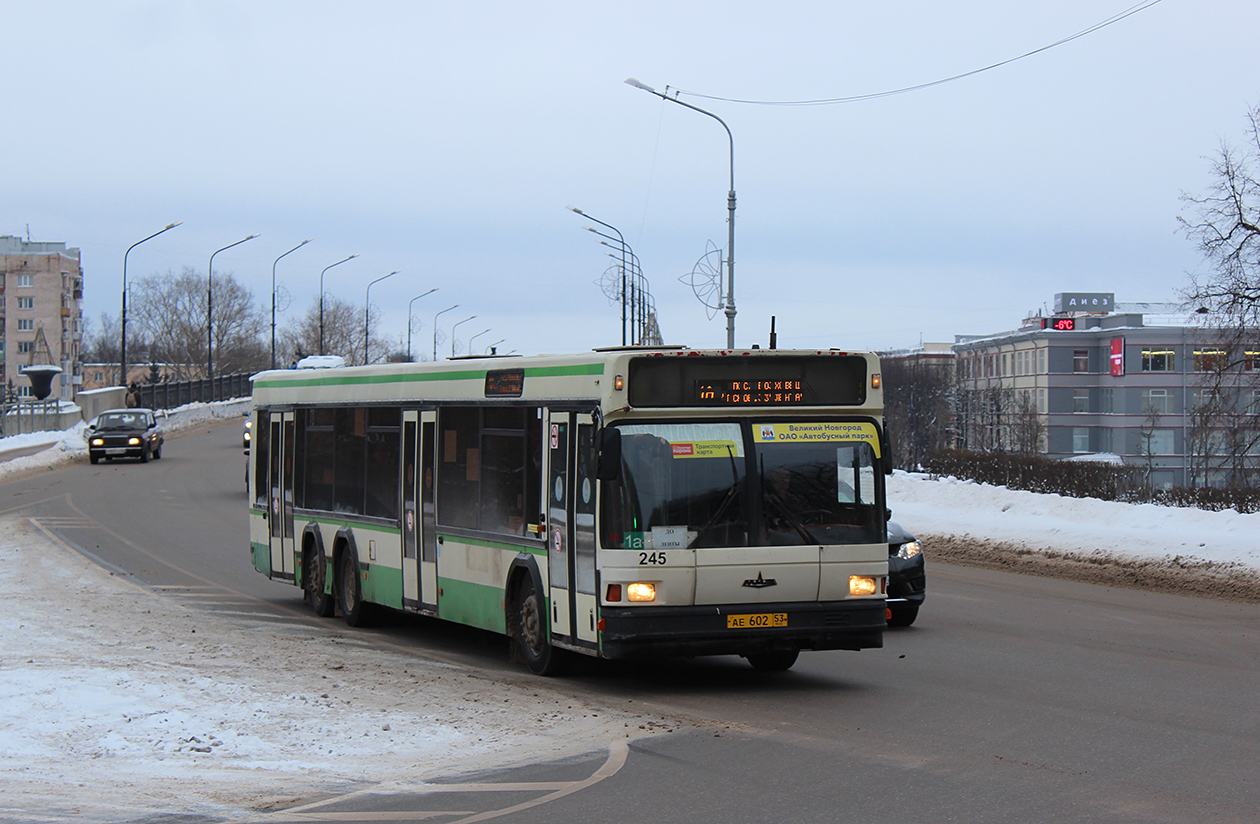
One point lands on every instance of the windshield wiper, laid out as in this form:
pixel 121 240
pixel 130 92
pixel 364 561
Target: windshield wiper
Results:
pixel 732 494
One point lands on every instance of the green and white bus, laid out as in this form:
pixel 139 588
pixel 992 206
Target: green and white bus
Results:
pixel 626 502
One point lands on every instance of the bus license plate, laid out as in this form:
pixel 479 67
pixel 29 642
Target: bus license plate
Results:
pixel 764 619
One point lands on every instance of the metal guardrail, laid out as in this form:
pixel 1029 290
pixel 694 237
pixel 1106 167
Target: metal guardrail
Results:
pixel 172 394
pixel 19 416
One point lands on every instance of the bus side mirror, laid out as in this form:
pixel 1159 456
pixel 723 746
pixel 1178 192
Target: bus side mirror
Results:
pixel 609 466
pixel 885 446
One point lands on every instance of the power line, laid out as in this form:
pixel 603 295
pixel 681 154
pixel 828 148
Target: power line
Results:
pixel 1129 12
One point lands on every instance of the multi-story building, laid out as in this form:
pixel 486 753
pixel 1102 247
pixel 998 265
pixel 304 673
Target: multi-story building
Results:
pixel 1135 381
pixel 41 314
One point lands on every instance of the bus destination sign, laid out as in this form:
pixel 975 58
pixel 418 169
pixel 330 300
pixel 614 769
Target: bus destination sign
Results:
pixel 749 393
pixel 505 383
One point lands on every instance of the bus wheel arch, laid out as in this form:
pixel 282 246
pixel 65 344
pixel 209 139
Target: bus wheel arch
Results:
pixel 315 583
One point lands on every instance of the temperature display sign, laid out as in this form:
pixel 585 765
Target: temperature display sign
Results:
pixel 1061 324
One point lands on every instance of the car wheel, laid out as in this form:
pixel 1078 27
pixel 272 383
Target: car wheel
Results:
pixel 531 632
pixel 350 592
pixel 93 458
pixel 902 616
pixel 144 454
pixel 157 453
pixel 773 661
pixel 314 583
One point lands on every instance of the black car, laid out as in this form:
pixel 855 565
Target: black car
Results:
pixel 907 577
pixel 125 433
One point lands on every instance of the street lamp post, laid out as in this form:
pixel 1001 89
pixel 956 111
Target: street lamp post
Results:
pixel 321 301
pixel 122 371
pixel 210 305
pixel 453 328
pixel 730 207
pixel 367 313
pixel 473 338
pixel 624 247
pixel 413 300
pixel 435 329
pixel 273 299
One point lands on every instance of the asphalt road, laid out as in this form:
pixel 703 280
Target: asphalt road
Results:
pixel 1012 699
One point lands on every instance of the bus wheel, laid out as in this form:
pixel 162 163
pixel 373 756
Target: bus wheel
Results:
pixel 531 632
pixel 314 582
pixel 773 661
pixel 350 593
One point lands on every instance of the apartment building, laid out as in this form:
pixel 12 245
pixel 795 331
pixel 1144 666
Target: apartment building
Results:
pixel 1124 381
pixel 41 314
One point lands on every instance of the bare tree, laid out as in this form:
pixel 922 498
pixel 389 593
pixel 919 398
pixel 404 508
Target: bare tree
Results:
pixel 343 334
pixel 171 311
pixel 1225 224
pixel 1027 427
pixel 916 407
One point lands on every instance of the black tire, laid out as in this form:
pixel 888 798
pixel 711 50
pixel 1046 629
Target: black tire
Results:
pixel 773 661
pixel 93 458
pixel 144 454
pixel 530 632
pixel 157 453
pixel 903 615
pixel 314 583
pixel 350 592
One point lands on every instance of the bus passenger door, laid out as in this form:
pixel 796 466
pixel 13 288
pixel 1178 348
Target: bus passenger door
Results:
pixel 559 524
pixel 571 526
pixel 426 462
pixel 280 494
pixel 410 518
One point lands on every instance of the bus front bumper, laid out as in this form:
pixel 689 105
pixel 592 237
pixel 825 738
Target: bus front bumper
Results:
pixel 741 629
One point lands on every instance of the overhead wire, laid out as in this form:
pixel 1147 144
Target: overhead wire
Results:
pixel 831 101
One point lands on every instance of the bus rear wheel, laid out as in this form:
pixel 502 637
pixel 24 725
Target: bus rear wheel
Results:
pixel 531 632
pixel 773 661
pixel 315 583
pixel 350 592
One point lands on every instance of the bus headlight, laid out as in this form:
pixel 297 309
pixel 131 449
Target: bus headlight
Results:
pixel 862 585
pixel 641 592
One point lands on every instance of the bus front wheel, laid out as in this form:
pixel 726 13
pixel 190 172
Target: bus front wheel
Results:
pixel 531 632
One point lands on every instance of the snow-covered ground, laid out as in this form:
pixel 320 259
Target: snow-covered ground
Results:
pixel 116 703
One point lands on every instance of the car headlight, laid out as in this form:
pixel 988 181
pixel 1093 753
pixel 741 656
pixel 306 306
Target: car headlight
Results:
pixel 133 441
pixel 247 434
pixel 97 442
pixel 909 550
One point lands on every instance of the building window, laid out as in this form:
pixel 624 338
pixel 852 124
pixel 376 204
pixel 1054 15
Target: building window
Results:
pixel 1206 360
pixel 26 280
pixel 1041 360
pixel 1158 360
pixel 1080 400
pixel 1251 360
pixel 1106 400
pixel 1160 442
pixel 1156 400
pixel 1041 402
pixel 26 324
pixel 1080 360
pixel 26 303
pixel 1080 439
pixel 25 346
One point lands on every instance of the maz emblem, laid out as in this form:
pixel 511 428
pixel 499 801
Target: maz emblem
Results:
pixel 760 583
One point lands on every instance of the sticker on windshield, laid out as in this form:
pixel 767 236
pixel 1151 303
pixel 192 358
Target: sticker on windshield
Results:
pixel 811 432
pixel 704 449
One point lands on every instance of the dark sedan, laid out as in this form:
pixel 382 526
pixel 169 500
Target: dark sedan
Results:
pixel 125 433
pixel 907 576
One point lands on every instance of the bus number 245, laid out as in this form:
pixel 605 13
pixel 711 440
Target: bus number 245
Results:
pixel 651 559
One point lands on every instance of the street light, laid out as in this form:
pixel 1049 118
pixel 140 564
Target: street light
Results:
pixel 367 313
pixel 435 329
pixel 730 207
pixel 210 305
pixel 321 301
pixel 273 299
pixel 473 338
pixel 413 300
pixel 624 247
pixel 122 372
pixel 453 328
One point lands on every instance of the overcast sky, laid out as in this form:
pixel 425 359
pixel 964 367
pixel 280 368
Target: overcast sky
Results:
pixel 445 140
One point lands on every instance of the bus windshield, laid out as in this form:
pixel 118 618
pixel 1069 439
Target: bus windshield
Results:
pixel 699 485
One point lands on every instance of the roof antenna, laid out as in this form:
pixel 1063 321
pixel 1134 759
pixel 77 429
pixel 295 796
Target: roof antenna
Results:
pixel 774 338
